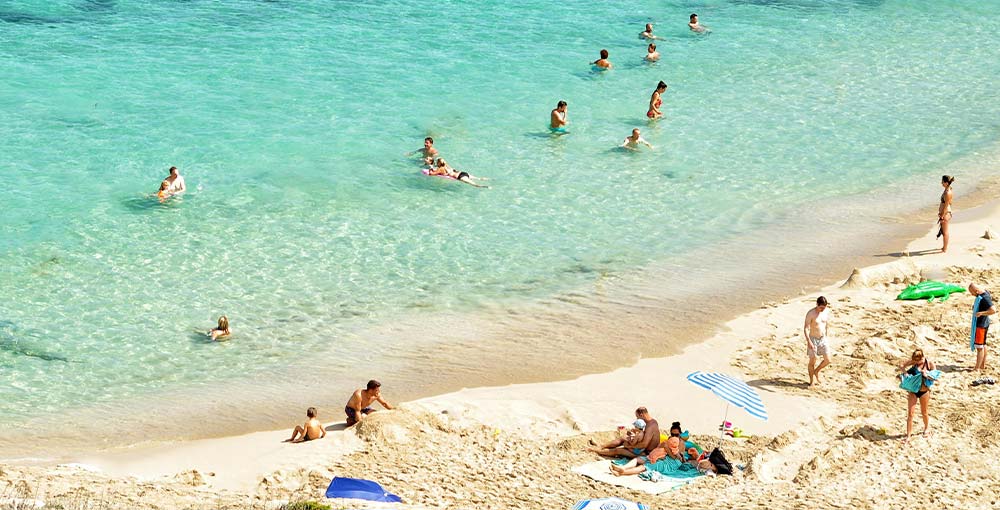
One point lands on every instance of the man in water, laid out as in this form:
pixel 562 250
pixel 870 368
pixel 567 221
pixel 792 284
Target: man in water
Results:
pixel 558 121
pixel 176 182
pixel 427 151
pixel 648 33
pixel 311 429
pixel 694 25
pixel 357 407
pixel 815 331
pixel 982 313
pixel 632 141
pixel 639 445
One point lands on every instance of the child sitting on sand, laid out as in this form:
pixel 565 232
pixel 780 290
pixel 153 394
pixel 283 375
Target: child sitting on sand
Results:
pixel 222 330
pixel 311 429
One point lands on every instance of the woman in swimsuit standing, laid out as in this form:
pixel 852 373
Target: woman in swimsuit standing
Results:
pixel 655 101
pixel 917 364
pixel 944 210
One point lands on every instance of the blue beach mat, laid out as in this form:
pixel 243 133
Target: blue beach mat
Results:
pixel 356 488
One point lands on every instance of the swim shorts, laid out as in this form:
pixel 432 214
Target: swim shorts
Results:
pixel 981 337
pixel 818 347
pixel 352 414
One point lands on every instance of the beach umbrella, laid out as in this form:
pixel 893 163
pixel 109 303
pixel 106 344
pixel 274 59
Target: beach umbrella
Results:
pixel 609 504
pixel 733 391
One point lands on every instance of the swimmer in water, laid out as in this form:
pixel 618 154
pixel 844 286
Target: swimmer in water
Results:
pixel 222 330
pixel 164 193
pixel 176 181
pixel 694 25
pixel 557 120
pixel 427 151
pixel 655 101
pixel 633 141
pixel 603 63
pixel 651 54
pixel 648 33
pixel 443 169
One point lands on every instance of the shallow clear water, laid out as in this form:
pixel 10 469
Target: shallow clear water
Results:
pixel 306 224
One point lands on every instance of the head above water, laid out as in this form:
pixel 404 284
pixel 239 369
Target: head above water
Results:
pixel 311 412
pixel 428 141
pixel 173 170
pixel 441 163
pixel 661 86
pixel 694 18
pixel 164 185
pixel 373 385
pixel 635 133
pixel 649 27
pixel 651 48
pixel 561 104
pixel 604 54
pixel 224 323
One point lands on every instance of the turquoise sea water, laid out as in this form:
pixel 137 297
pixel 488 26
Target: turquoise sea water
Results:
pixel 305 223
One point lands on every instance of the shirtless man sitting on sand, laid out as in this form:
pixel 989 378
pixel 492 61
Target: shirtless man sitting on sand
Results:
pixel 640 445
pixel 311 429
pixel 357 407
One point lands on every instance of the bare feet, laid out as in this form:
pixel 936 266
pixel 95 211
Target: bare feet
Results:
pixel 906 440
pixel 927 433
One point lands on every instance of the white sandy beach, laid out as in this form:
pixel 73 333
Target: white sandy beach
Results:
pixel 513 446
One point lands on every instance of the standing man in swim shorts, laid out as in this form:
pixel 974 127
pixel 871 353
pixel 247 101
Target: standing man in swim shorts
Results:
pixel 358 406
pixel 982 312
pixel 815 331
pixel 558 121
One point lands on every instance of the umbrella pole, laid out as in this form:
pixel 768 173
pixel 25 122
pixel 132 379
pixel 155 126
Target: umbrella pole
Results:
pixel 722 428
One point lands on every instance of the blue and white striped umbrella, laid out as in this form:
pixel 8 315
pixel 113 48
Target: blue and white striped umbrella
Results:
pixel 609 504
pixel 732 390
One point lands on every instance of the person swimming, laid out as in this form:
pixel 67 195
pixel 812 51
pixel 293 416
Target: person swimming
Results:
pixel 176 181
pixel 651 54
pixel 694 25
pixel 648 33
pixel 557 120
pixel 427 151
pixel 442 169
pixel 655 101
pixel 220 331
pixel 633 141
pixel 602 64
pixel 164 193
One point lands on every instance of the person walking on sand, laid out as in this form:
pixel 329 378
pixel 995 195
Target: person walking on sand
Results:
pixel 655 101
pixel 176 181
pixel 944 210
pixel 815 330
pixel 358 405
pixel 642 444
pixel 982 312
pixel 558 120
pixel 917 364
pixel 311 429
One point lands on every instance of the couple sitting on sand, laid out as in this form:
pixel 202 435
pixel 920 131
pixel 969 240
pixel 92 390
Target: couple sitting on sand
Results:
pixel 356 409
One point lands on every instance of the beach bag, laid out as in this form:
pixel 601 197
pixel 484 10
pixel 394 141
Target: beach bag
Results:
pixel 718 459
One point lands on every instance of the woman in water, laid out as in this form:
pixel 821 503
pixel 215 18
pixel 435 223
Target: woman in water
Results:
pixel 917 364
pixel 655 101
pixel 222 330
pixel 651 54
pixel 602 64
pixel 944 210
pixel 443 169
pixel 164 193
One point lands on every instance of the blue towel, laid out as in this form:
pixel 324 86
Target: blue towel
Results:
pixel 913 382
pixel 356 488
pixel 674 468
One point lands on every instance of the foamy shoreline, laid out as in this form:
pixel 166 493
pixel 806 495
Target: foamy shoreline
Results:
pixel 240 464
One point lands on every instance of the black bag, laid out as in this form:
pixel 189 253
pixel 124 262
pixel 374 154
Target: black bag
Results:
pixel 718 459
